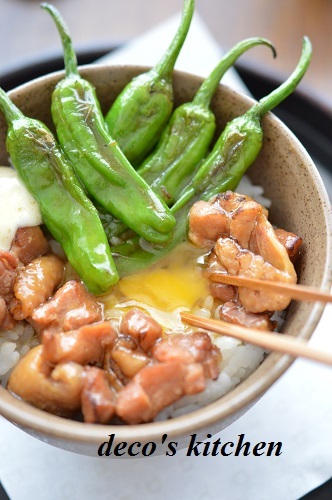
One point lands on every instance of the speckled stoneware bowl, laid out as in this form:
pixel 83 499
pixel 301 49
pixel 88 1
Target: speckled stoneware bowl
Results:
pixel 300 204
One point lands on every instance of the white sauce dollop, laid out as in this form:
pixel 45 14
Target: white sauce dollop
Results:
pixel 17 207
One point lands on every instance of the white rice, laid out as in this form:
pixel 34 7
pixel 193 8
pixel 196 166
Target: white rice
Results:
pixel 14 344
pixel 246 187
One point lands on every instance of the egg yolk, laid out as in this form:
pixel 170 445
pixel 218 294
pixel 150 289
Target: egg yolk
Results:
pixel 166 289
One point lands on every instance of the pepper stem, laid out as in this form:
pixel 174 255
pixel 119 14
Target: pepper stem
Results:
pixel 9 109
pixel 69 55
pixel 207 89
pixel 285 89
pixel 166 64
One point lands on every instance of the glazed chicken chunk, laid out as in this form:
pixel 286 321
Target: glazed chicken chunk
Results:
pixel 245 244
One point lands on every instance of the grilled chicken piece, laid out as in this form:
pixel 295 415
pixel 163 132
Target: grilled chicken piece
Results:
pixel 7 322
pixel 233 312
pixel 123 360
pixel 53 389
pixel 193 348
pixel 264 242
pixel 70 308
pixel 34 284
pixel 152 389
pixel 223 293
pixel 8 272
pixel 247 246
pixel 291 242
pixel 97 399
pixel 240 262
pixel 128 361
pixel 83 346
pixel 29 243
pixel 144 329
pixel 206 224
pixel 227 214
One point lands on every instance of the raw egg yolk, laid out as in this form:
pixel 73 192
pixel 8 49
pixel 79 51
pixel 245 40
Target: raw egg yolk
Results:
pixel 166 289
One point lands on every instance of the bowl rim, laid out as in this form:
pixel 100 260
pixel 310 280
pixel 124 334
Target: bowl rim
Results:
pixel 29 417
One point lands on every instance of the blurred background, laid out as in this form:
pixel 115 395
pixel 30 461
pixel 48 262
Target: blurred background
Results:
pixel 27 33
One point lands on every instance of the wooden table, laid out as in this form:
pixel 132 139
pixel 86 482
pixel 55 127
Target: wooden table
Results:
pixel 27 32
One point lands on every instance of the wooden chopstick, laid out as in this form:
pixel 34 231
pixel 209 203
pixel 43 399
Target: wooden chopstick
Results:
pixel 282 343
pixel 294 291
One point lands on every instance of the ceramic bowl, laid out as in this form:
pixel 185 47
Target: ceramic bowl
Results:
pixel 299 204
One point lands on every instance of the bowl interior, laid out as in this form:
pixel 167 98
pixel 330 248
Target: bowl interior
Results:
pixel 299 204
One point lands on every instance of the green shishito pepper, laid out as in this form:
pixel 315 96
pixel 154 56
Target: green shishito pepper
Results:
pixel 235 150
pixel 100 164
pixel 66 211
pixel 186 138
pixel 140 112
